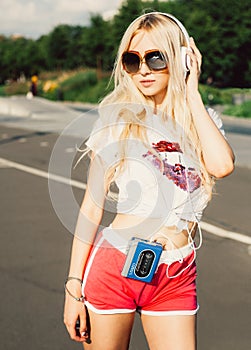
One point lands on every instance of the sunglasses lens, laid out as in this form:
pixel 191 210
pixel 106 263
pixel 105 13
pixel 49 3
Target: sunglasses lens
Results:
pixel 156 60
pixel 131 62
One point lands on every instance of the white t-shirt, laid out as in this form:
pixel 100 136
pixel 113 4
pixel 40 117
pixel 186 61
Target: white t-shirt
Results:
pixel 159 179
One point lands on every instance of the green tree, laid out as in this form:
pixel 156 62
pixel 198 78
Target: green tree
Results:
pixel 4 63
pixel 13 57
pixel 75 49
pixel 59 45
pixel 128 11
pixel 97 44
pixel 222 31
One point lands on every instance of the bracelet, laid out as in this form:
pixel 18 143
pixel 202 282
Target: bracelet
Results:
pixel 67 290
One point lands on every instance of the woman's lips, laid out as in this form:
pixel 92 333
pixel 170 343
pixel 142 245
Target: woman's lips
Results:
pixel 146 83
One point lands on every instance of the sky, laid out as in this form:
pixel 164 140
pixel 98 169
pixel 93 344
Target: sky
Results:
pixel 33 18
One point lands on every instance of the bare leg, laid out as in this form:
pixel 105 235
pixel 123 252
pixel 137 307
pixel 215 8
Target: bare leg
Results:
pixel 110 332
pixel 170 332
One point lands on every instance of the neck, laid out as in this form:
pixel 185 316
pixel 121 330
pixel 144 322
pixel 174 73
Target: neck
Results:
pixel 158 100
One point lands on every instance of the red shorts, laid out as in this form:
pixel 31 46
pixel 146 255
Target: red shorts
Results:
pixel 107 292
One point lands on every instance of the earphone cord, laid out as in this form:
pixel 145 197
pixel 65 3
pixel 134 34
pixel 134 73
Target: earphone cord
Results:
pixel 196 222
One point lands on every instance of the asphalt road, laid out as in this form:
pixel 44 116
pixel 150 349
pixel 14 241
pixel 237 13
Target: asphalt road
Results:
pixel 35 248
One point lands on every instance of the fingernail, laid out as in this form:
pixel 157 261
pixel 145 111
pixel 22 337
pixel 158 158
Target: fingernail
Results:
pixel 83 334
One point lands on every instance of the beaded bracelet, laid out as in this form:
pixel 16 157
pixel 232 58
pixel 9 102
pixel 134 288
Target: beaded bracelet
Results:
pixel 67 290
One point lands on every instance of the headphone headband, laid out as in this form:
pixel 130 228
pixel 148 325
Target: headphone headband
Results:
pixel 173 18
pixel 185 59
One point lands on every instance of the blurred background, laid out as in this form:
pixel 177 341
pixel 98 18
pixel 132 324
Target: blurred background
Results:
pixel 70 51
pixel 56 59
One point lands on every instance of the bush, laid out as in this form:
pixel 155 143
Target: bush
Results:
pixel 213 96
pixel 95 93
pixel 243 110
pixel 17 88
pixel 2 90
pixel 72 88
pixel 84 87
pixel 80 80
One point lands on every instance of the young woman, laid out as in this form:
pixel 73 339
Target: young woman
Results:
pixel 162 148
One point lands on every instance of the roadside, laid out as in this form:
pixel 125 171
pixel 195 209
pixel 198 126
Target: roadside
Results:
pixel 21 106
pixel 44 120
pixel 49 116
pixel 35 246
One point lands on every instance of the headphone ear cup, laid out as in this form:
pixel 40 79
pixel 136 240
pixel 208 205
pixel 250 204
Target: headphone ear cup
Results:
pixel 185 59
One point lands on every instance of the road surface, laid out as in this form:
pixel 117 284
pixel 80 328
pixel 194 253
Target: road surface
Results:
pixel 35 246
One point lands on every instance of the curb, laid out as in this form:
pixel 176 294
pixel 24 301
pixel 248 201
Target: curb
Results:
pixel 11 106
pixel 33 108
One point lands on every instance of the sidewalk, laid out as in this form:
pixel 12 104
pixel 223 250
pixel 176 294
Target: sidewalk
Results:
pixel 40 108
pixel 44 115
pixel 35 108
pixel 49 116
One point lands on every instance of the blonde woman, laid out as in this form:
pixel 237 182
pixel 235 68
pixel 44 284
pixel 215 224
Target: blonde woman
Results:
pixel 163 149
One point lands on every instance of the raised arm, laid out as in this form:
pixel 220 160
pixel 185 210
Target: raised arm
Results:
pixel 217 153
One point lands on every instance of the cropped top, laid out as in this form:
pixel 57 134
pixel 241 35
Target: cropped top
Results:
pixel 160 177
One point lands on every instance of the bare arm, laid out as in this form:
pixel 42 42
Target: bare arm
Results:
pixel 89 218
pixel 217 153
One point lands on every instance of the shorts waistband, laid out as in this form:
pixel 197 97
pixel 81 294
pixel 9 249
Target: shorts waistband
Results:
pixel 167 256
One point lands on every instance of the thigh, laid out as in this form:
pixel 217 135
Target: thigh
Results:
pixel 110 332
pixel 170 332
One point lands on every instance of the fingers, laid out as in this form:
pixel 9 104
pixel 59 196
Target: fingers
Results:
pixel 76 326
pixel 195 57
pixel 84 331
pixel 70 326
pixel 165 242
pixel 75 333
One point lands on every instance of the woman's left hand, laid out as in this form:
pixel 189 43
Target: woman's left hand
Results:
pixel 195 66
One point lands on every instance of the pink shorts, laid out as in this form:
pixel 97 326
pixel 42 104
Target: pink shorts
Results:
pixel 107 292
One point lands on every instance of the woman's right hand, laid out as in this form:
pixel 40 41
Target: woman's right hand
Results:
pixel 74 310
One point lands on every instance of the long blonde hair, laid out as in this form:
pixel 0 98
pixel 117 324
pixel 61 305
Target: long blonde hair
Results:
pixel 169 38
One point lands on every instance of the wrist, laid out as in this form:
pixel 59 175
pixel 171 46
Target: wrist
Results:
pixel 194 96
pixel 195 102
pixel 73 287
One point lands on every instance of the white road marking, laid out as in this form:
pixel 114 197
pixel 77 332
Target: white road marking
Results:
pixel 3 163
pixel 22 140
pixel 44 144
pixel 217 231
pixel 5 136
pixel 42 173
pixel 220 232
pixel 70 150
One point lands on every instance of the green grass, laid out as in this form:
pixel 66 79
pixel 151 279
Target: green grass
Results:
pixel 14 88
pixel 81 87
pixel 243 110
pixel 2 90
pixel 214 96
pixel 84 86
pixel 96 92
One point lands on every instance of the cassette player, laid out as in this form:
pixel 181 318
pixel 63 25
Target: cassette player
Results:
pixel 142 259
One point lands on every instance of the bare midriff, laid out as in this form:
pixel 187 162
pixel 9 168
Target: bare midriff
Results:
pixel 155 229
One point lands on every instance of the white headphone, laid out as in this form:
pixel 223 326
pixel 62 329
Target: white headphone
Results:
pixel 185 59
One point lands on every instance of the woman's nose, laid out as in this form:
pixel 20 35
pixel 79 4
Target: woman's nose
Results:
pixel 144 69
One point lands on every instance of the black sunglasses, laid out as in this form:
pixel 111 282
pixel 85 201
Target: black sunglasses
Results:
pixel 154 59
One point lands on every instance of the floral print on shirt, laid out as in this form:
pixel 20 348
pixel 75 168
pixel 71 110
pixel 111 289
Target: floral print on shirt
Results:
pixel 186 179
